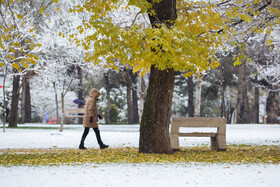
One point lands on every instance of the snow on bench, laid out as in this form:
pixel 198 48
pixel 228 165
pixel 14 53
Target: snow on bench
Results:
pixel 218 139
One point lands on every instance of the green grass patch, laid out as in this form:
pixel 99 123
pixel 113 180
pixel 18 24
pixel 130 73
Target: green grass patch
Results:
pixel 242 154
pixel 40 128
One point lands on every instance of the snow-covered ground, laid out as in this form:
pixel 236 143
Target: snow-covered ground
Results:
pixel 139 175
pixel 128 136
pixel 194 174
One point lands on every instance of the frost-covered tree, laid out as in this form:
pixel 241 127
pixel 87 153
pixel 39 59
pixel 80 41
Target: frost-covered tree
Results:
pixel 250 19
pixel 60 57
pixel 19 23
pixel 266 60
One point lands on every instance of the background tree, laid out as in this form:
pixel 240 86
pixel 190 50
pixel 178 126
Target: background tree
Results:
pixel 112 79
pixel 249 20
pixel 190 95
pixel 60 56
pixel 132 100
pixel 180 95
pixel 19 22
pixel 134 79
pixel 243 115
pixel 80 89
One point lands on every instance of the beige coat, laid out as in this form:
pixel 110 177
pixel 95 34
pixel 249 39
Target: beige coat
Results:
pixel 91 109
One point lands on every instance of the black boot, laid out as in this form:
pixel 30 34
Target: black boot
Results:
pixel 101 144
pixel 81 146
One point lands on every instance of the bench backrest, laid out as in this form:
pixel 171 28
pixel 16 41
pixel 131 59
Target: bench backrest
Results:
pixel 198 121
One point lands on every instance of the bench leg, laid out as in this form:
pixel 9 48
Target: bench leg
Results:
pixel 218 143
pixel 221 142
pixel 174 143
pixel 221 138
pixel 214 143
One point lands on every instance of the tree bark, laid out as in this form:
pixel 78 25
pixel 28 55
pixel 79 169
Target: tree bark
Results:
pixel 190 95
pixel 25 101
pixel 154 127
pixel 243 114
pixel 272 107
pixel 13 119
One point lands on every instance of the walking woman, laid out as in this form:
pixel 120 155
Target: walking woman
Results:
pixel 90 119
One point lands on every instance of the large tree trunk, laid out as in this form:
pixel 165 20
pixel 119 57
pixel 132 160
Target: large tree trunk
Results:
pixel 257 100
pixel 25 101
pixel 190 97
pixel 13 119
pixel 272 107
pixel 243 114
pixel 154 128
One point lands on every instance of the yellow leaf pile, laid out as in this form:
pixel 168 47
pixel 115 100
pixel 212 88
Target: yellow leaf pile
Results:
pixel 241 154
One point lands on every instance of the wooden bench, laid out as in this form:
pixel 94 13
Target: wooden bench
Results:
pixel 218 139
pixel 73 113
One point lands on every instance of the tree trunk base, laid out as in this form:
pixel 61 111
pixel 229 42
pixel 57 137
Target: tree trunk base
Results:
pixel 154 127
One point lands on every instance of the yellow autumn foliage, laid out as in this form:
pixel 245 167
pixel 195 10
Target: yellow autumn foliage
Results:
pixel 238 154
pixel 188 46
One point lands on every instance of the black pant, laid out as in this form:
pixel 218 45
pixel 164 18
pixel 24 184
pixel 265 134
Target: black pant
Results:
pixel 97 133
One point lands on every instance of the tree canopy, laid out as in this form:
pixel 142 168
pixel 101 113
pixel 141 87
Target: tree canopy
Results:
pixel 123 34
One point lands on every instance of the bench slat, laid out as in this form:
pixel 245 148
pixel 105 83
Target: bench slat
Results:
pixel 198 122
pixel 198 134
